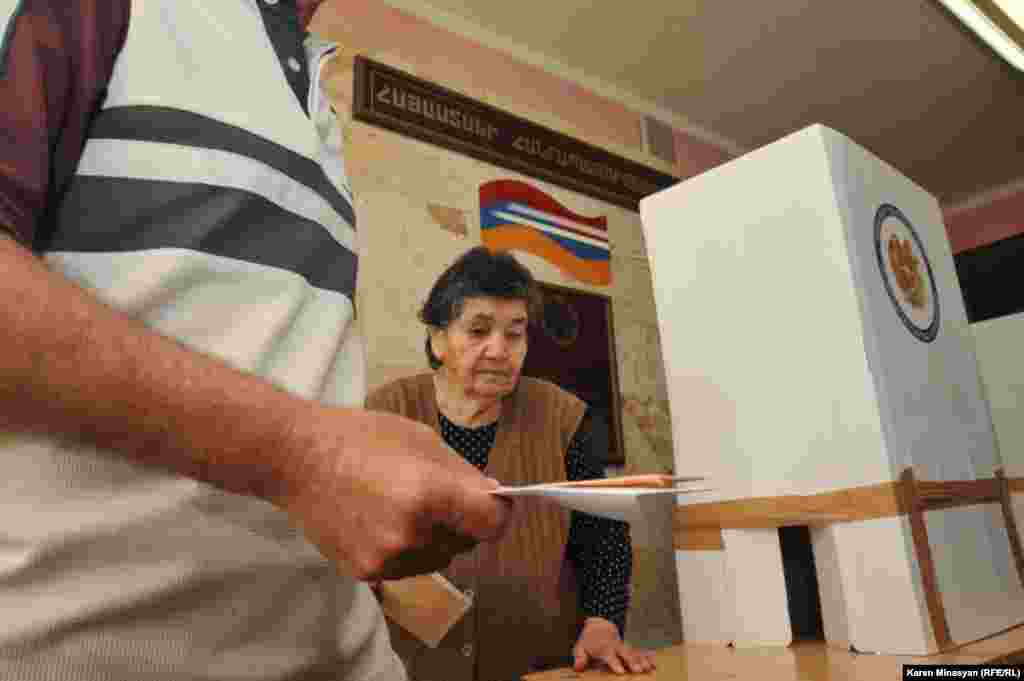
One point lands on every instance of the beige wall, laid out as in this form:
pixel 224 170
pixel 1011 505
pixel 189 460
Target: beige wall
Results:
pixel 397 180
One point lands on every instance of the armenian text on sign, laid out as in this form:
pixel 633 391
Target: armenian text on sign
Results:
pixel 392 99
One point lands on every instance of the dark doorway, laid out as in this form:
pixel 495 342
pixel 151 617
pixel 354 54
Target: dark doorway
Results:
pixel 801 584
pixel 573 346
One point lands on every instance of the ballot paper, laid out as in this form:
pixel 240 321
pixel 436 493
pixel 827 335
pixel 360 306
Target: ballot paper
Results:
pixel 428 606
pixel 628 498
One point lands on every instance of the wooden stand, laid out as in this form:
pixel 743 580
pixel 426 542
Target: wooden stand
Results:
pixel 811 661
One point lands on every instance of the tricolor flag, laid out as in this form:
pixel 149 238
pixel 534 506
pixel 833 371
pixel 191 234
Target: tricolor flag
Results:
pixel 516 216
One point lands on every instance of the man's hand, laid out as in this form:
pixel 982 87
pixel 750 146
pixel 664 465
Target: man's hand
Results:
pixel 384 496
pixel 600 642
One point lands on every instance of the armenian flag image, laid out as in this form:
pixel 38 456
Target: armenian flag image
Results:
pixel 517 216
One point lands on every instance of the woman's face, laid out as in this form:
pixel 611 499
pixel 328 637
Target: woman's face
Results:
pixel 483 350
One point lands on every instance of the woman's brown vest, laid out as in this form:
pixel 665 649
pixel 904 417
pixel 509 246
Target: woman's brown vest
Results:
pixel 524 616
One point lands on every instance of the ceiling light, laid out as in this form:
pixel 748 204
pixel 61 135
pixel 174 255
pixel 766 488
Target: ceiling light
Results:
pixel 1000 23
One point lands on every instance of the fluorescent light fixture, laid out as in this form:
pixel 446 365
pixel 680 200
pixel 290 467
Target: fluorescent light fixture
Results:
pixel 1000 23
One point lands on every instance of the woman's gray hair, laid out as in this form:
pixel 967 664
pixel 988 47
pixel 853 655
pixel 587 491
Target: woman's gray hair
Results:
pixel 478 273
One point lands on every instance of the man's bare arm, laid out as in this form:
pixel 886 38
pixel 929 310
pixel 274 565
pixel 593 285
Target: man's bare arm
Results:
pixel 375 492
pixel 72 366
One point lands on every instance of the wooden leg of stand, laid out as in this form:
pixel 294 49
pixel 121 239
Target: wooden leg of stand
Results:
pixel 1006 501
pixel 933 597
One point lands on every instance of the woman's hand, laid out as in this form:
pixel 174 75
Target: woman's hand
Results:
pixel 599 642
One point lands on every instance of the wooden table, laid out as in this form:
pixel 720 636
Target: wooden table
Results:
pixel 811 661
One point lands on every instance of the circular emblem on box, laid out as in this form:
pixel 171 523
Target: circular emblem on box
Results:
pixel 907 273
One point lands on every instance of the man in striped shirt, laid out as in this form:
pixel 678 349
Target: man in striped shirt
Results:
pixel 189 490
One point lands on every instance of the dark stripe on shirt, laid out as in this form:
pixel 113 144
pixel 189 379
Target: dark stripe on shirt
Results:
pixel 174 126
pixel 119 215
pixel 281 21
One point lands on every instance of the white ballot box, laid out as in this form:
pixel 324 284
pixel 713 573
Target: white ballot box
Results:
pixel 817 349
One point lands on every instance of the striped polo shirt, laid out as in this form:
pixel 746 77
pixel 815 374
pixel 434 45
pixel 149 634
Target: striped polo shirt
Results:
pixel 180 160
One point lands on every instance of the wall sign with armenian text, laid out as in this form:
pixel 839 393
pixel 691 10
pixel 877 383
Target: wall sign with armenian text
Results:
pixel 395 100
pixel 517 216
pixel 907 273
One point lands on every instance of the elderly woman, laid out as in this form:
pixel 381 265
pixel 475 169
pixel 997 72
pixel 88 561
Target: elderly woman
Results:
pixel 554 590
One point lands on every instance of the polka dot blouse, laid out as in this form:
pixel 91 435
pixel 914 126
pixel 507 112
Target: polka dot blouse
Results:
pixel 599 548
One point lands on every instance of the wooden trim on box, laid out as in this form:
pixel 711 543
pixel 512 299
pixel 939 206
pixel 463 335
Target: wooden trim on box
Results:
pixel 914 505
pixel 840 506
pixel 854 504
